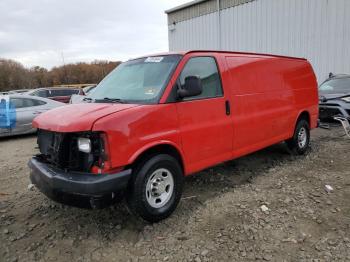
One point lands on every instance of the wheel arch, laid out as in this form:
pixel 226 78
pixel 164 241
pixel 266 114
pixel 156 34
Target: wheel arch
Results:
pixel 303 115
pixel 163 147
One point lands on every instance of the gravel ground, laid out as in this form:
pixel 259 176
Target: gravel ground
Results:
pixel 268 206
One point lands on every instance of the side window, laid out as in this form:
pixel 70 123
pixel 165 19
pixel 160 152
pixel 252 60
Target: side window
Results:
pixel 61 92
pixel 58 92
pixel 18 102
pixel 41 93
pixel 50 93
pixel 26 102
pixel 35 102
pixel 205 68
pixel 64 92
pixel 70 92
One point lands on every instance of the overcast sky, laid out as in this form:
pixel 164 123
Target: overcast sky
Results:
pixel 37 32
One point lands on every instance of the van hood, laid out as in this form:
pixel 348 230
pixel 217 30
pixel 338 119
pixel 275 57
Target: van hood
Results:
pixel 76 117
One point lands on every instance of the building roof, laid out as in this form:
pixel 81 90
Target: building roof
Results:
pixel 200 7
pixel 179 7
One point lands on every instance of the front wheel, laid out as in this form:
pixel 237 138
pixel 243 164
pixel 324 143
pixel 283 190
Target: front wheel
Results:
pixel 300 141
pixel 156 188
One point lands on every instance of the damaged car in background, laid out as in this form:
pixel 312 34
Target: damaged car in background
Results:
pixel 334 96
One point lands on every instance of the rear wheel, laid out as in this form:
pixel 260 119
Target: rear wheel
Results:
pixel 300 141
pixel 156 188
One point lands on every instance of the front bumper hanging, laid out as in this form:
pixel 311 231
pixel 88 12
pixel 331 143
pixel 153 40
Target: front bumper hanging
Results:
pixel 74 188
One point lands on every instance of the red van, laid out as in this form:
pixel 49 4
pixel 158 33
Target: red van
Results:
pixel 155 119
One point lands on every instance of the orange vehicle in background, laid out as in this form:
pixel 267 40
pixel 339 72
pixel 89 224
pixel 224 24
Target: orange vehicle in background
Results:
pixel 156 119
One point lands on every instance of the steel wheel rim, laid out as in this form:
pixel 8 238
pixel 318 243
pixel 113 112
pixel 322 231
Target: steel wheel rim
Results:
pixel 159 188
pixel 302 137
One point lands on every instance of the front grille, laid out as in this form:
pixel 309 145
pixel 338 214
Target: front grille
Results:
pixel 61 150
pixel 51 147
pixel 328 113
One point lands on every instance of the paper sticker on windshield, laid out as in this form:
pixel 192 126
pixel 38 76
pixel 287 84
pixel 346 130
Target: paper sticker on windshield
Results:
pixel 150 91
pixel 154 59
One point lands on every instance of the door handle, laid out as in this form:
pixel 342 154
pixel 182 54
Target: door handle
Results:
pixel 37 113
pixel 227 107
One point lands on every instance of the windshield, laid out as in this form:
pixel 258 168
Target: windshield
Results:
pixel 136 81
pixel 336 86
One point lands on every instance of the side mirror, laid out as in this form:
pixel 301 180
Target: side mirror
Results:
pixel 192 87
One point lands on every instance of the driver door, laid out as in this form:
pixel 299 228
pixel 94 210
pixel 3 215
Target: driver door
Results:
pixel 205 125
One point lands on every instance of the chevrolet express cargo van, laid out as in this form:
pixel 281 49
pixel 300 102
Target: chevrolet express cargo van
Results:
pixel 156 119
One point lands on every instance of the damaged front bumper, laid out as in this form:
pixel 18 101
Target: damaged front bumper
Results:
pixel 77 188
pixel 328 111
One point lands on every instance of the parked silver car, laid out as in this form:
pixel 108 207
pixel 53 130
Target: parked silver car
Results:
pixel 22 109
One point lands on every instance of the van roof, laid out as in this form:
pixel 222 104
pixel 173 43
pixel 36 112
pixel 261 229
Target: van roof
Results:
pixel 224 52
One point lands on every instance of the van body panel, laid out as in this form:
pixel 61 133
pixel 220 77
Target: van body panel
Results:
pixel 268 95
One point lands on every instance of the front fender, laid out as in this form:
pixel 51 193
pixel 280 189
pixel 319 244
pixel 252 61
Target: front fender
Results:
pixel 155 144
pixel 131 132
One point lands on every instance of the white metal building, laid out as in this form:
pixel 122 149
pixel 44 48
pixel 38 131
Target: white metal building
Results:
pixel 318 30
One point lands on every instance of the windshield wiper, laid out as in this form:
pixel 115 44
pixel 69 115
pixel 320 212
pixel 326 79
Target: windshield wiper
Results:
pixel 324 99
pixel 88 99
pixel 110 100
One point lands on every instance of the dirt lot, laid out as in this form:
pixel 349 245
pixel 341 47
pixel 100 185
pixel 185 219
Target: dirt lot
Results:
pixel 218 219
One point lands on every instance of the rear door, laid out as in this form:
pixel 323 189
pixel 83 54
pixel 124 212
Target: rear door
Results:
pixel 204 123
pixel 26 110
pixel 23 115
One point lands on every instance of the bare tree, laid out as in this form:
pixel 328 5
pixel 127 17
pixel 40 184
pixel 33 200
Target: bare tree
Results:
pixel 14 75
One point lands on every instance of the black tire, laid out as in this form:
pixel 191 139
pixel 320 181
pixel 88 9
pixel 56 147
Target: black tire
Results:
pixel 136 196
pixel 294 144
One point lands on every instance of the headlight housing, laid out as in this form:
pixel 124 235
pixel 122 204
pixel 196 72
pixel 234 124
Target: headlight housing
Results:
pixel 84 145
pixel 346 99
